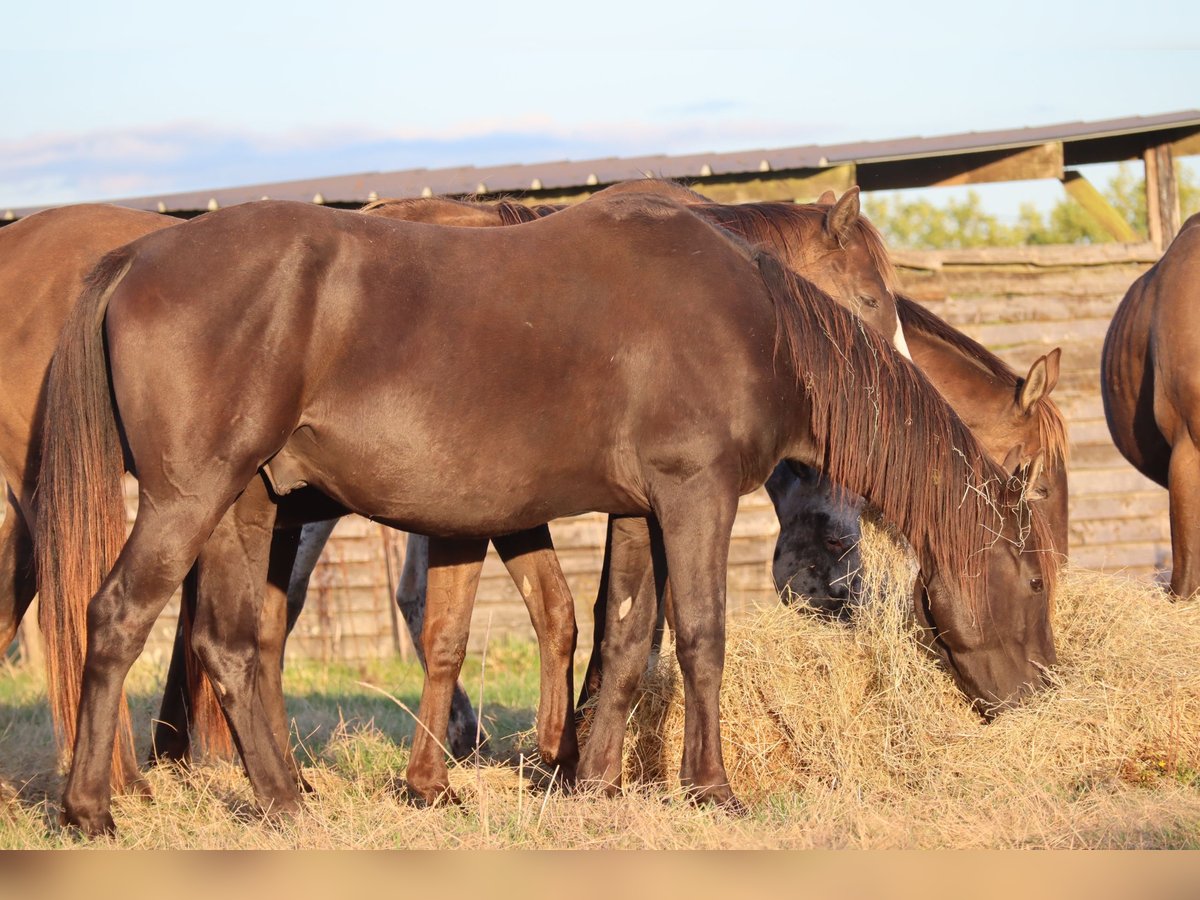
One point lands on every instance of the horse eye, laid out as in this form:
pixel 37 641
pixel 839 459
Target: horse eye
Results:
pixel 872 302
pixel 812 568
pixel 1037 584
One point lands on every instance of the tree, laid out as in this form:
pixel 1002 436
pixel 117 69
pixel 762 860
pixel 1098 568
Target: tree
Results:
pixel 964 223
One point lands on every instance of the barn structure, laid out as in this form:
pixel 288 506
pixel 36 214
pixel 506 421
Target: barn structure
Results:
pixel 1018 301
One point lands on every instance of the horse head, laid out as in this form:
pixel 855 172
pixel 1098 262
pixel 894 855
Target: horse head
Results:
pixel 816 554
pixel 998 647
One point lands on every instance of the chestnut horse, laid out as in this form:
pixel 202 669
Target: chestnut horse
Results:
pixel 471 382
pixel 1152 393
pixel 44 260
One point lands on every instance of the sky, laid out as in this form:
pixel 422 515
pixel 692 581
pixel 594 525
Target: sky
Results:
pixel 120 99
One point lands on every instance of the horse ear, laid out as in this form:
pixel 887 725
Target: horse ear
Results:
pixel 1042 377
pixel 1013 460
pixel 1035 469
pixel 827 199
pixel 843 216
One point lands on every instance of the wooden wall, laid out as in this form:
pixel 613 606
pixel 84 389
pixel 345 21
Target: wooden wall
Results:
pixel 1022 302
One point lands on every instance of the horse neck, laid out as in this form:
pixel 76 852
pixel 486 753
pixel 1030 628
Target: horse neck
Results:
pixel 984 401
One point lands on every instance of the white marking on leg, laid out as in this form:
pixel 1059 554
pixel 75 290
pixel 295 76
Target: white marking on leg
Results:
pixel 526 587
pixel 623 610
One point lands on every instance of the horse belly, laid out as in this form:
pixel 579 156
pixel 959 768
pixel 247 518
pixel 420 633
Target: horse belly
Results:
pixel 451 482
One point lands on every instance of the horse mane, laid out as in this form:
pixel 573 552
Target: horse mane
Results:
pixel 513 213
pixel 776 224
pixel 869 408
pixel 412 202
pixel 1052 429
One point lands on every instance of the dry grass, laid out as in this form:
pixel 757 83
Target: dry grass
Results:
pixel 836 736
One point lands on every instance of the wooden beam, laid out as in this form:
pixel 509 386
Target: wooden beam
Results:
pixel 1187 146
pixel 801 185
pixel 1162 195
pixel 1042 161
pixel 1086 195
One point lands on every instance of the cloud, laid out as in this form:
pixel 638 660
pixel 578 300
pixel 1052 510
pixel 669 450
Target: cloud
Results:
pixel 67 168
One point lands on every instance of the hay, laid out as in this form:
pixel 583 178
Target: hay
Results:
pixel 860 721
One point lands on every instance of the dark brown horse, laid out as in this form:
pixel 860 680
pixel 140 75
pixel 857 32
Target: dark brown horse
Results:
pixel 1152 393
pixel 471 382
pixel 43 261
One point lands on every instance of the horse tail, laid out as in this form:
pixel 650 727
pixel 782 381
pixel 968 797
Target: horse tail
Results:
pixel 80 503
pixel 209 727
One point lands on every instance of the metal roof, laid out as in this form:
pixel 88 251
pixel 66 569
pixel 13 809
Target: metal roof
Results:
pixel 567 175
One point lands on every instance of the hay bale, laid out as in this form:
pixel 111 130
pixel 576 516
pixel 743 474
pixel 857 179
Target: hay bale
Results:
pixel 817 709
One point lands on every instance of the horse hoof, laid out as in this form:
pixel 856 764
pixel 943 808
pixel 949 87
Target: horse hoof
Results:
pixel 596 787
pixel 280 812
pixel 138 787
pixel 90 825
pixel 720 797
pixel 430 796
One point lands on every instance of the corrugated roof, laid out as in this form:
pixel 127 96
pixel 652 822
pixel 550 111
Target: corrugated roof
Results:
pixel 567 175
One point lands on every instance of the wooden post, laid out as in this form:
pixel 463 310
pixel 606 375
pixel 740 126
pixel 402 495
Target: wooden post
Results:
pixel 1101 210
pixel 1162 195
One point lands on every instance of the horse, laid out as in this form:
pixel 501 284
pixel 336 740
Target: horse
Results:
pixel 526 373
pixel 45 259
pixel 1152 396
pixel 810 509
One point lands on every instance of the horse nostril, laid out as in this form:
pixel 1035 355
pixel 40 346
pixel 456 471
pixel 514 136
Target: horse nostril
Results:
pixel 839 591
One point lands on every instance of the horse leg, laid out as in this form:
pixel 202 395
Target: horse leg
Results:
pixel 18 581
pixel 233 569
pixel 166 538
pixel 172 728
pixel 1183 486
pixel 594 675
pixel 313 538
pixel 533 565
pixel 272 636
pixel 696 528
pixel 463 730
pixel 631 612
pixel 18 584
pixel 454 567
